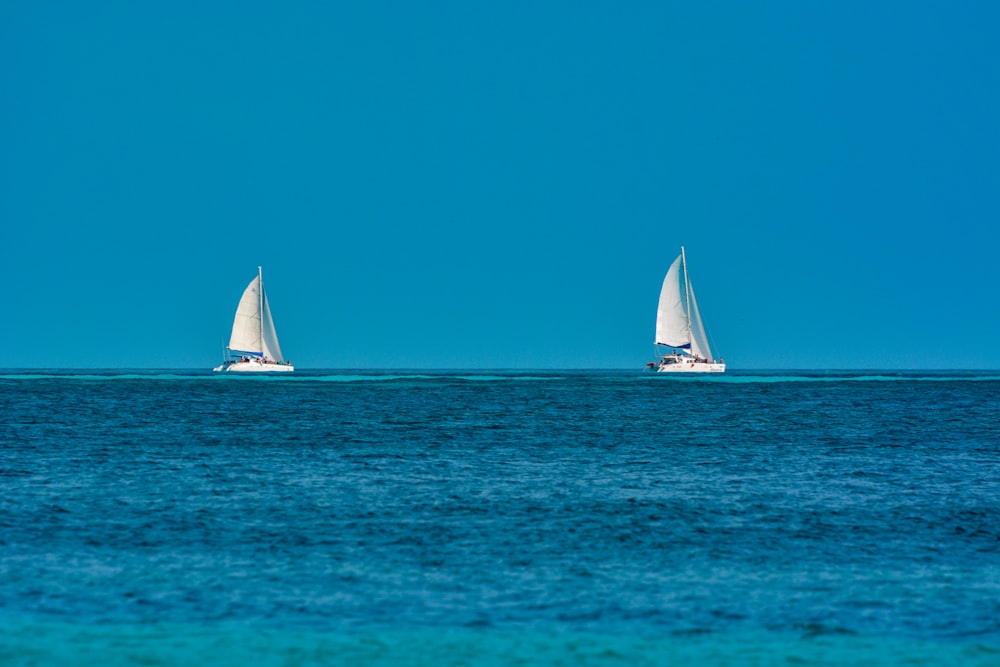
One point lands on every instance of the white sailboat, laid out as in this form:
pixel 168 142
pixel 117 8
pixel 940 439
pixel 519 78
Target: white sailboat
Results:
pixel 681 344
pixel 253 345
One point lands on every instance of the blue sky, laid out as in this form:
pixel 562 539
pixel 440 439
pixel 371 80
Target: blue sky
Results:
pixel 469 184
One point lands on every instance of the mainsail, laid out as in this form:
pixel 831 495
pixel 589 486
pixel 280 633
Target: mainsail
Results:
pixel 671 316
pixel 678 322
pixel 253 328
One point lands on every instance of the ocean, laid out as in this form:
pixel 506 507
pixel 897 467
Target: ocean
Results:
pixel 499 518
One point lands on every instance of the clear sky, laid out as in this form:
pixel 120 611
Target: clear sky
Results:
pixel 500 184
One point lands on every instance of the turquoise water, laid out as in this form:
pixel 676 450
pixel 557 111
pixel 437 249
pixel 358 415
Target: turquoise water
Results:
pixel 221 644
pixel 494 518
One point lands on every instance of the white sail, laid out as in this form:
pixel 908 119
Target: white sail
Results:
pixel 679 325
pixel 270 337
pixel 253 327
pixel 246 326
pixel 254 342
pixel 671 317
pixel 678 320
pixel 699 341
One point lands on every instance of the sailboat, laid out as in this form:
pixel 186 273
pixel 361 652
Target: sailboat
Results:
pixel 253 346
pixel 681 344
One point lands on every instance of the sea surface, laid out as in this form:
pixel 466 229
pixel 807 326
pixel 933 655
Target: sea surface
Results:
pixel 499 518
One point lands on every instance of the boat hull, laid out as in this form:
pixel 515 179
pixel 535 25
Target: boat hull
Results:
pixel 692 367
pixel 253 367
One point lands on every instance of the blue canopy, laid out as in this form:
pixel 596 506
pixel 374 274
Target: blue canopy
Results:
pixel 252 354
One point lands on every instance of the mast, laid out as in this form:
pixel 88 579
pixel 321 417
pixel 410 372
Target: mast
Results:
pixel 687 294
pixel 260 307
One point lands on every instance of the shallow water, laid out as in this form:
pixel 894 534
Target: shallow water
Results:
pixel 499 518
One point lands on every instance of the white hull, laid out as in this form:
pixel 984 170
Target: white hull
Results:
pixel 692 367
pixel 253 367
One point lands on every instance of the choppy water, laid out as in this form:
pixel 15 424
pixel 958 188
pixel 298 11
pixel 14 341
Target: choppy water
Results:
pixel 499 518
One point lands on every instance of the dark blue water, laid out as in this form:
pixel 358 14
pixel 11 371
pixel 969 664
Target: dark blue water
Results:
pixel 499 518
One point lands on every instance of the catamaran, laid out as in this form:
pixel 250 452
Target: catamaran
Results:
pixel 253 345
pixel 681 344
